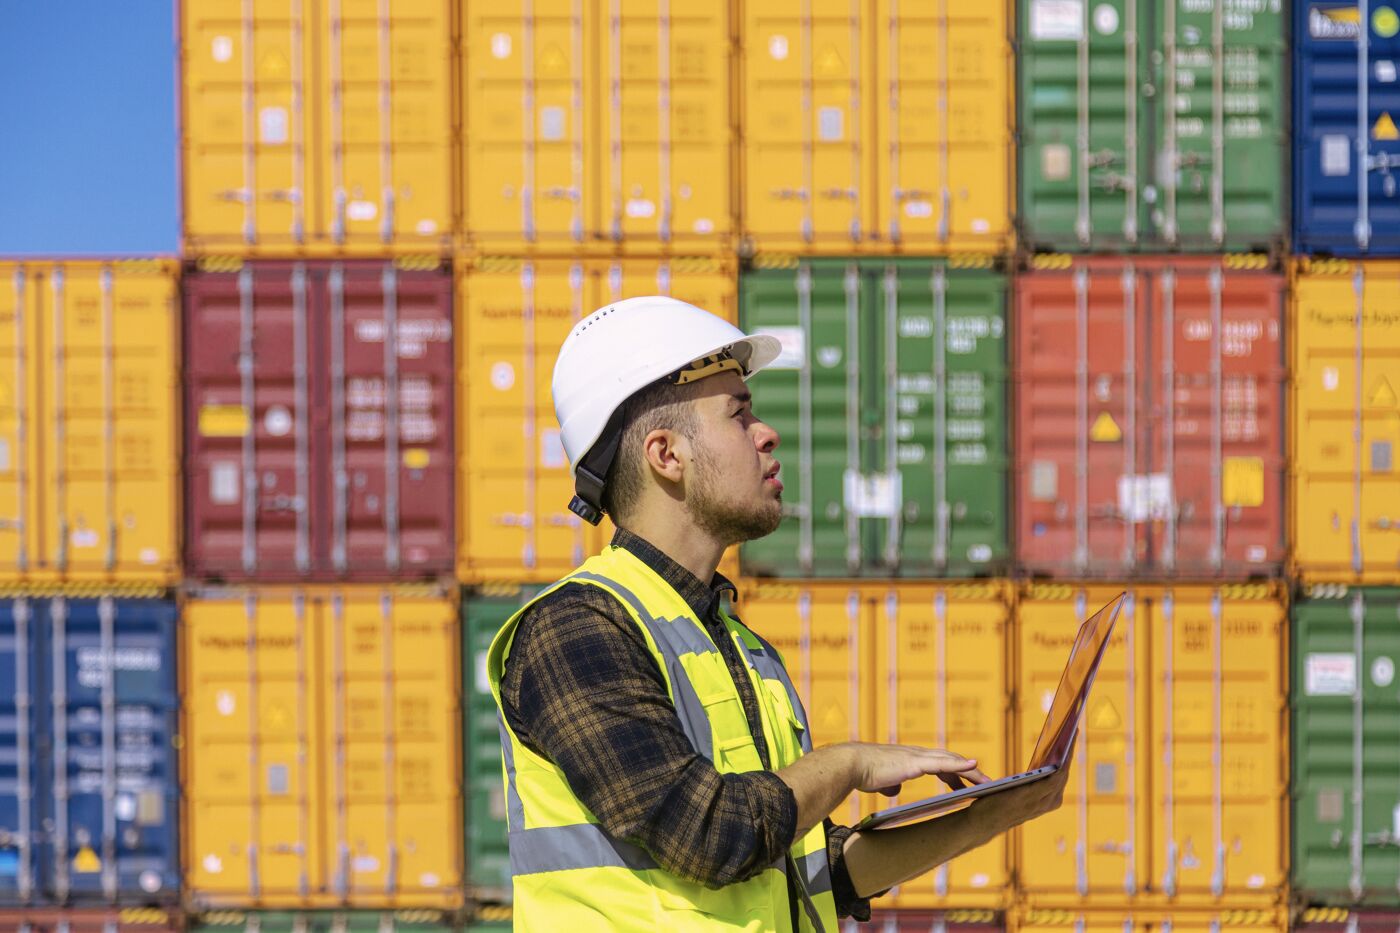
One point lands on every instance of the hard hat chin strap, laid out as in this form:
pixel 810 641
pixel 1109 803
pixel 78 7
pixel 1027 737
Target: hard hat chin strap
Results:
pixel 592 473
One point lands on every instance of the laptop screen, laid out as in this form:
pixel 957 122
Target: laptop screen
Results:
pixel 1061 724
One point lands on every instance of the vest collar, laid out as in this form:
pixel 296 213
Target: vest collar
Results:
pixel 701 599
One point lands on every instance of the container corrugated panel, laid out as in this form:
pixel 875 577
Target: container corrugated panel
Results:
pixel 88 431
pixel 317 129
pixel 484 611
pixel 942 678
pixel 1096 846
pixel 1219 752
pixel 1150 428
pixel 597 124
pixel 68 920
pixel 89 794
pixel 927 921
pixel 890 398
pixel 515 314
pixel 1111 918
pixel 1178 789
pixel 1346 384
pixel 1148 125
pixel 826 636
pixel 1346 745
pixel 339 921
pixel 1345 141
pixel 322 765
pixel 885 133
pixel 319 422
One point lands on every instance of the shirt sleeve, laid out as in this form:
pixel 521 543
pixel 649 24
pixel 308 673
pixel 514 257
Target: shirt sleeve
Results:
pixel 582 689
pixel 848 903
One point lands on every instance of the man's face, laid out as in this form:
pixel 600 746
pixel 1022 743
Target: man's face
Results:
pixel 734 492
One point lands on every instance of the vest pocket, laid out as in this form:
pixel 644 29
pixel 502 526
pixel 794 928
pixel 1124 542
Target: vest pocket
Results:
pixel 734 748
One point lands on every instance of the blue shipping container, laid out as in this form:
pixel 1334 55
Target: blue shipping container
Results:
pixel 1347 131
pixel 88 768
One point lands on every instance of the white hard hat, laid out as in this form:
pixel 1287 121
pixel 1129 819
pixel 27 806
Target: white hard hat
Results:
pixel 620 349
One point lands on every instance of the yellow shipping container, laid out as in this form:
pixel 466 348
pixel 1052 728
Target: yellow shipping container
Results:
pixel 1178 790
pixel 879 133
pixel 942 680
pixel 597 124
pixel 317 129
pixel 322 756
pixel 88 424
pixel 1346 383
pixel 1121 919
pixel 514 314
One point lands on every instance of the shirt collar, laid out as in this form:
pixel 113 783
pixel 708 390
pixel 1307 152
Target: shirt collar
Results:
pixel 699 597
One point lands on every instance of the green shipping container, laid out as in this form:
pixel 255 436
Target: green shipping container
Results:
pixel 484 611
pixel 1153 124
pixel 325 921
pixel 890 398
pixel 1346 736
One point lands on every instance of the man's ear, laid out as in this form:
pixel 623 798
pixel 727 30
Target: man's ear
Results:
pixel 662 450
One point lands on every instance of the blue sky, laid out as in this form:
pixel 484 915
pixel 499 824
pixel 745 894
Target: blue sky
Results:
pixel 88 145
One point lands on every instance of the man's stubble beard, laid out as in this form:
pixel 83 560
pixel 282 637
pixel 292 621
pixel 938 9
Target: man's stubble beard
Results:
pixel 720 518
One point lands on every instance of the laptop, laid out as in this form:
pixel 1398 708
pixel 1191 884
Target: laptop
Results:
pixel 1057 736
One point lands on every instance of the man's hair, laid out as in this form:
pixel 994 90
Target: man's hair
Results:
pixel 659 405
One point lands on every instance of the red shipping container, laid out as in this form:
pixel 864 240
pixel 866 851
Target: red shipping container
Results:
pixel 319 422
pixel 1344 920
pixel 63 920
pixel 1150 417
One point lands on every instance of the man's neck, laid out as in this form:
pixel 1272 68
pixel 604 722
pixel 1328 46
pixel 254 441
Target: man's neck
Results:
pixel 680 540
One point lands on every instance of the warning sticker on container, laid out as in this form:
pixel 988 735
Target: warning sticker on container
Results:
pixel 1341 22
pixel 223 421
pixel 1242 482
pixel 1330 675
pixel 1057 19
pixel 1145 497
pixel 876 495
pixel 794 346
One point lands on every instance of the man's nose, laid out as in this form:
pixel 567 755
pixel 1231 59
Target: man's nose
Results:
pixel 765 437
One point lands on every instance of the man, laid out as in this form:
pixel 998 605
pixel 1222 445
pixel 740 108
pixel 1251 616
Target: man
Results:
pixel 659 770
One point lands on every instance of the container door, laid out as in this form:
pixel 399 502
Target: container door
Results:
pixel 1085 119
pixel 1346 140
pixel 113 730
pixel 24 703
pixel 17 351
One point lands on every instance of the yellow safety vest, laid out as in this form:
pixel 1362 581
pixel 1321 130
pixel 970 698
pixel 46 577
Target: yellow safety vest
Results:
pixel 569 873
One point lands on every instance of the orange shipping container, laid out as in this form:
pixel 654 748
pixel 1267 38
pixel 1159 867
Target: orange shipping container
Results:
pixel 88 415
pixel 317 129
pixel 322 763
pixel 597 124
pixel 515 313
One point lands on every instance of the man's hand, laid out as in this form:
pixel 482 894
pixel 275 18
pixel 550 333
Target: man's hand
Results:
pixel 884 768
pixel 1018 805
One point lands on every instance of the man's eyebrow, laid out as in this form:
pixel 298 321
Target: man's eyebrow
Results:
pixel 741 397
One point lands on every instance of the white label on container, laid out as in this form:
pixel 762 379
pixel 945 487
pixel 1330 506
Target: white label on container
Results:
pixel 221 48
pixel 552 456
pixel 1045 480
pixel 361 210
pixel 876 495
pixel 84 537
pixel 1105 19
pixel 831 124
pixel 1336 154
pixel 979 553
pixel 979 880
pixel 149 555
pixel 703 225
pixel 366 863
pixel 979 225
pixel 272 125
pixel 1145 497
pixel 150 881
pixel 225 703
pixel 425 227
pixel 483 679
pixel 1254 882
pixel 429 880
pixel 278 421
pixel 124 807
pixel 1384 71
pixel 918 209
pixel 500 45
pixel 1395 821
pixel 1331 378
pixel 1047 699
pixel 551 123
pixel 829 357
pixel 1330 675
pixel 213 864
pixel 502 376
pixel 794 346
pixel 4 455
pixel 778 48
pixel 1382 671
pixel 641 207
pixel 1057 19
pixel 1256 553
pixel 223 483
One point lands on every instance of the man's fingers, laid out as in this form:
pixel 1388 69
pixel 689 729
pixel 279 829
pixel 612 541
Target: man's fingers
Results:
pixel 955 781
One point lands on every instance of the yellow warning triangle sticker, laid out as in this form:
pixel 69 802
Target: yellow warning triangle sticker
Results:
pixel 829 61
pixel 1382 396
pixel 1385 127
pixel 831 719
pixel 1105 429
pixel 1104 715
pixel 553 60
pixel 86 861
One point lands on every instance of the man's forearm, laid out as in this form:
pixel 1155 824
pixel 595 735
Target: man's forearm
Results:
pixel 880 859
pixel 820 780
